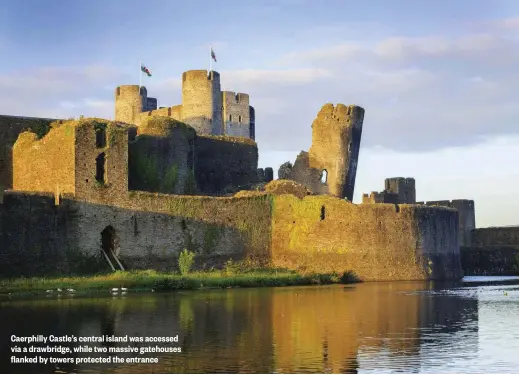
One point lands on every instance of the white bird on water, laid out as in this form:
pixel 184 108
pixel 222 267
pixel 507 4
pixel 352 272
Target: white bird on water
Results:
pixel 59 290
pixel 49 291
pixel 70 290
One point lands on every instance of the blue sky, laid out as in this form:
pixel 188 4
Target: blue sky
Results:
pixel 438 79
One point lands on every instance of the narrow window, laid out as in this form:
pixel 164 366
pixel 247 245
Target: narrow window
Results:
pixel 323 213
pixel 100 168
pixel 239 119
pixel 100 138
pixel 230 117
pixel 324 176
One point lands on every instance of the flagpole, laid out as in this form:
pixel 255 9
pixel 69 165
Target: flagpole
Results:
pixel 210 58
pixel 140 76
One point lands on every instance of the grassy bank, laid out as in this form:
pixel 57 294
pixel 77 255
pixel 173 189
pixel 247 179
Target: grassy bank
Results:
pixel 136 281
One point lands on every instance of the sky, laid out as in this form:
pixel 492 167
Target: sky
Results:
pixel 438 79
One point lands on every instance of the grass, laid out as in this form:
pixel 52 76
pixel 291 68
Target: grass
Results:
pixel 156 281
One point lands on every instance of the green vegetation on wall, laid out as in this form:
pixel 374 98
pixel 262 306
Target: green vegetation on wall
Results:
pixel 190 184
pixel 40 127
pixel 170 179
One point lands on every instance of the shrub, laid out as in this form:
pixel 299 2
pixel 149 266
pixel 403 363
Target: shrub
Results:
pixel 185 261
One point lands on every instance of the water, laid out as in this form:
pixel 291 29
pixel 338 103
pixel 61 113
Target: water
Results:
pixel 367 328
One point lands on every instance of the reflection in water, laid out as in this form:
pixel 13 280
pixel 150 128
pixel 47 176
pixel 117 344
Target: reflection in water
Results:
pixel 372 327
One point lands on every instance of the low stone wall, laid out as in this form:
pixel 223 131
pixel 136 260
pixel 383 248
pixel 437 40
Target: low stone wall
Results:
pixel 318 234
pixel 495 236
pixel 39 238
pixel 490 260
pixel 376 241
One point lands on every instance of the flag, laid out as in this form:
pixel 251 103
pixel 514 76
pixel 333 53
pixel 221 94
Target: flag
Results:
pixel 145 70
pixel 213 56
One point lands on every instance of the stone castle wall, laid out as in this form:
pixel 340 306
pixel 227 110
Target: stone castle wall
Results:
pixel 374 241
pixel 46 164
pixel 10 128
pixel 161 157
pixel 167 156
pixel 467 216
pixel 37 237
pixel 492 260
pixel 378 242
pixel 495 236
pixel 225 164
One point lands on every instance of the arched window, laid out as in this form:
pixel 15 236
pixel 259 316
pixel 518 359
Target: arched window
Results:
pixel 239 119
pixel 230 117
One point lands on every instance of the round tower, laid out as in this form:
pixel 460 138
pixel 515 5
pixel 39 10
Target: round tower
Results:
pixel 129 100
pixel 202 101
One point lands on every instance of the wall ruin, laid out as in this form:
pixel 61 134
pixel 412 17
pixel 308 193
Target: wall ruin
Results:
pixel 330 166
pixel 10 128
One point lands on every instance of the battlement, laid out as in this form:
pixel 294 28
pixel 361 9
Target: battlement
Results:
pixel 449 203
pixel 130 90
pixel 235 98
pixel 342 112
pixel 200 74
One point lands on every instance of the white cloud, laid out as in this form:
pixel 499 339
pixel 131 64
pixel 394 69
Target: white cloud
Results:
pixel 273 77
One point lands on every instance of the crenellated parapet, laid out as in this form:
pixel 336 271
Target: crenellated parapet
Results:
pixel 130 102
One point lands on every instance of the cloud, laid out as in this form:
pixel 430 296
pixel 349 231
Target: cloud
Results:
pixel 60 92
pixel 420 93
pixel 274 77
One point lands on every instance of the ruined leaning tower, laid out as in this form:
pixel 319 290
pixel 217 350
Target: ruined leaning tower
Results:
pixel 336 135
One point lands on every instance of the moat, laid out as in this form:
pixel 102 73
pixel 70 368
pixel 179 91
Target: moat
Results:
pixel 465 327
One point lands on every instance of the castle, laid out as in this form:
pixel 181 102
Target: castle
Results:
pixel 204 106
pixel 135 192
pixel 400 190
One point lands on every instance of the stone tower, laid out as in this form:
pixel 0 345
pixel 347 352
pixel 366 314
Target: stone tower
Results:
pixel 336 134
pixel 130 101
pixel 202 101
pixel 330 166
pixel 236 114
pixel 404 188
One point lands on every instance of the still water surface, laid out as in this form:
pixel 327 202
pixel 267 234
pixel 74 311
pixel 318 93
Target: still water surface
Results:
pixel 365 328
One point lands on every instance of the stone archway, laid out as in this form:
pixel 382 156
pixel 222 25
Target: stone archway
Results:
pixel 109 241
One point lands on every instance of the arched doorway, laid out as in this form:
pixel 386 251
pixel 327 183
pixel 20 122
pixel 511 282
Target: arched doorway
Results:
pixel 109 241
